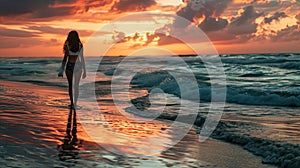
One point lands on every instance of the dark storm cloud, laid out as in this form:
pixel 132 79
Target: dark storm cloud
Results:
pixel 276 16
pixel 241 28
pixel 17 7
pixel 37 8
pixel 245 24
pixel 52 12
pixel 249 15
pixel 216 7
pixel 211 10
pixel 92 3
pixel 132 5
pixel 188 13
pixel 213 24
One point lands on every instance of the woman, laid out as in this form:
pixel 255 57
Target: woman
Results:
pixel 75 68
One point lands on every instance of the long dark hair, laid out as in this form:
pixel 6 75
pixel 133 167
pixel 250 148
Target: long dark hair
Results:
pixel 73 41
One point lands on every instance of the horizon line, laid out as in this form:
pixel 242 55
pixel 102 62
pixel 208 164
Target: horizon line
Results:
pixel 180 55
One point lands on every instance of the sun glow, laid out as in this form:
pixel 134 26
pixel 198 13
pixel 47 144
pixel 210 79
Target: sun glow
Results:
pixel 42 33
pixel 170 2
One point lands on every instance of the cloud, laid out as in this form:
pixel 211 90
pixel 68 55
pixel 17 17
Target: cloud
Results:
pixel 298 18
pixel 52 12
pixel 221 36
pixel 276 16
pixel 185 28
pixel 120 37
pixel 245 24
pixel 16 33
pixel 15 7
pixel 48 29
pixel 215 8
pixel 132 5
pixel 188 13
pixel 165 39
pixel 249 15
pixel 8 42
pixel 213 24
pixel 290 33
pixel 94 4
pixel 17 43
pixel 239 29
pixel 36 8
pixel 211 8
pixel 61 31
pixel 144 40
pixel 211 21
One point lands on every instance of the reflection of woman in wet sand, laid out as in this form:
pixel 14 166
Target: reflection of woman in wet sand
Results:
pixel 75 68
pixel 69 148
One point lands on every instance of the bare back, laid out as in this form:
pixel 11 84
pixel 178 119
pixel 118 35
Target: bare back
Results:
pixel 72 56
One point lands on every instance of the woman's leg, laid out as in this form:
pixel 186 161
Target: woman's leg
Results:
pixel 74 129
pixel 69 75
pixel 69 124
pixel 76 77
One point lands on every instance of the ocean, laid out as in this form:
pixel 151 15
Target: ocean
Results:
pixel 261 108
pixel 253 79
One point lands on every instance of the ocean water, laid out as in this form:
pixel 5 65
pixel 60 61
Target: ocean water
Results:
pixel 262 90
pixel 253 79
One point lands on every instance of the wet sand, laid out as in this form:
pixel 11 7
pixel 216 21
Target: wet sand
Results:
pixel 33 124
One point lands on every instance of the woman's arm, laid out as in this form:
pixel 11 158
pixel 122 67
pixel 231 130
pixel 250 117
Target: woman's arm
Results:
pixel 83 63
pixel 64 61
pixel 63 64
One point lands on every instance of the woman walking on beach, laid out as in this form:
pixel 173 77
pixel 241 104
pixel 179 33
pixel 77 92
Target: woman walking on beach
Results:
pixel 74 64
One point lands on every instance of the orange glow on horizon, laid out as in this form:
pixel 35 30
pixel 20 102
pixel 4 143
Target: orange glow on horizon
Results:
pixel 49 33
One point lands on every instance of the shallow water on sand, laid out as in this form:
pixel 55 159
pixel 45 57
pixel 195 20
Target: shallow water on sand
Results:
pixel 33 125
pixel 274 123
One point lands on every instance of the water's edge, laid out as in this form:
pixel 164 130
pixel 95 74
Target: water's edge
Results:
pixel 278 153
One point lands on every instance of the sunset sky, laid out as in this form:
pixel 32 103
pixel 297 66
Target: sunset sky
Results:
pixel 39 28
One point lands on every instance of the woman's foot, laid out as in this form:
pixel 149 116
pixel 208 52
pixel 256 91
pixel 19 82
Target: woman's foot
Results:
pixel 74 139
pixel 67 138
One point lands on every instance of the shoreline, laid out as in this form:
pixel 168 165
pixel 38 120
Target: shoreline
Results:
pixel 56 117
pixel 278 153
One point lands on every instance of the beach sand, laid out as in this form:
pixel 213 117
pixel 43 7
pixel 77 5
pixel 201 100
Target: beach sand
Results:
pixel 33 126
